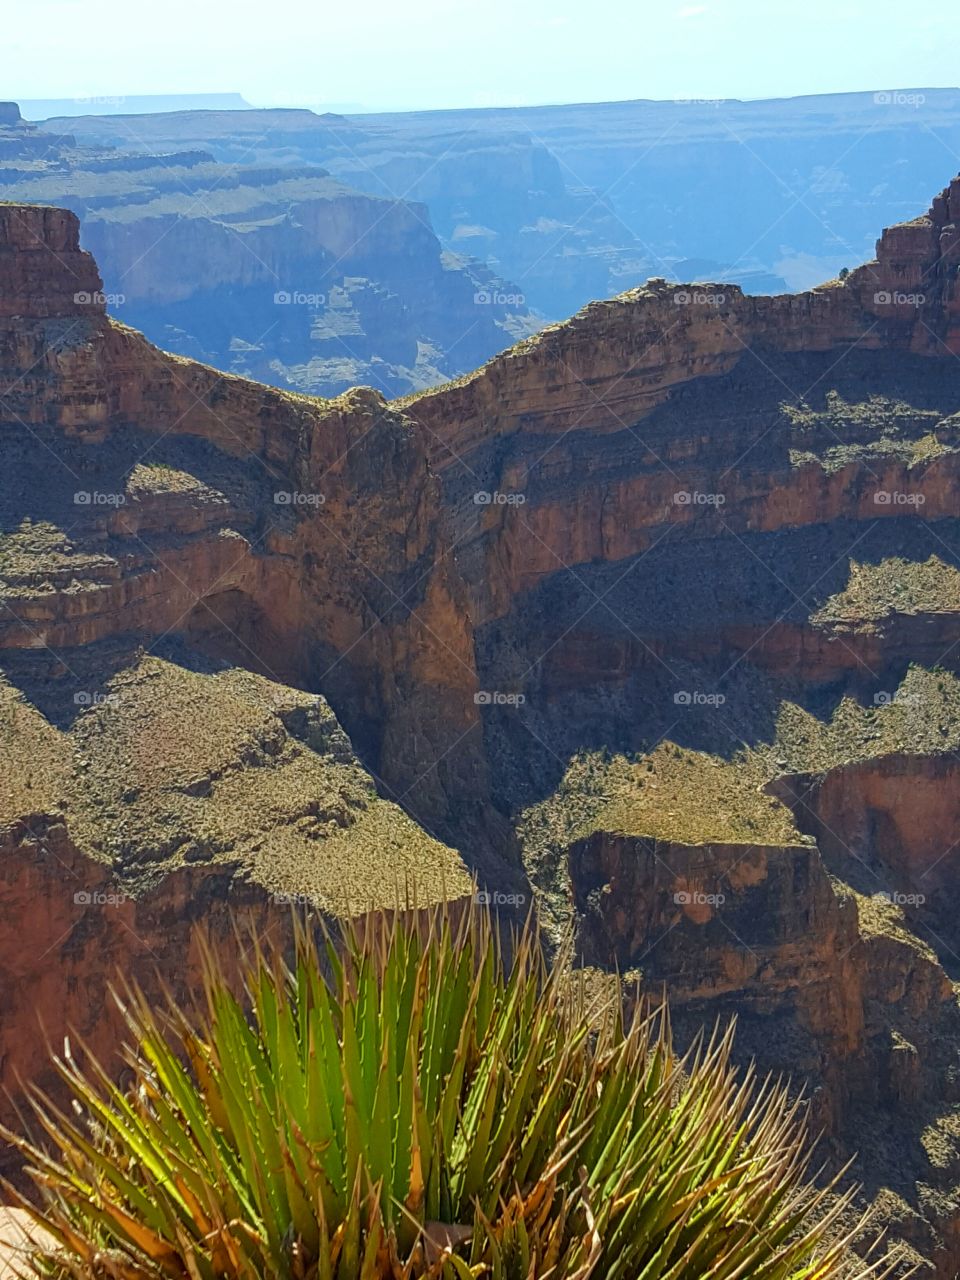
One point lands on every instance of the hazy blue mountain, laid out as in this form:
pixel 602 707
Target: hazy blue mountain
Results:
pixel 581 201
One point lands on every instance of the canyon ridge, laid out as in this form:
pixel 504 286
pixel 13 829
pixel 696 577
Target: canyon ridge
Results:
pixel 654 619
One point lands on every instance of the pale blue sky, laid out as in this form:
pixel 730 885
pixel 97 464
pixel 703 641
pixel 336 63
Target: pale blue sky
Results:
pixel 445 53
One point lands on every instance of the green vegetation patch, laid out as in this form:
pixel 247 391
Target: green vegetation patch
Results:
pixel 921 717
pixel 894 586
pixel 407 1102
pixel 164 765
pixel 693 797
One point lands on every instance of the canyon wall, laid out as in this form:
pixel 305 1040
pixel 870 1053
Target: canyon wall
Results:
pixel 526 427
pixel 320 517
pixel 665 598
pixel 270 271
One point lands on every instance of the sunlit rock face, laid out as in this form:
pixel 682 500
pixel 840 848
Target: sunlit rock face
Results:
pixel 654 617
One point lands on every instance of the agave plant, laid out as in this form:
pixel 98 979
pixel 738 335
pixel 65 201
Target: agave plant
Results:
pixel 411 1099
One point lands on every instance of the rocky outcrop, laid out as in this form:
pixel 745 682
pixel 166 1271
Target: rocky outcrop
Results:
pixel 751 931
pixel 610 593
pixel 720 923
pixel 85 933
pixel 863 1013
pixel 20 141
pixel 314 530
pixel 760 931
pixel 258 269
pixel 897 813
pixel 525 428
pixel 29 288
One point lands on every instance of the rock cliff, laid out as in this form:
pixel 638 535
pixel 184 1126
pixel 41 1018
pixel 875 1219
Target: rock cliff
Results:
pixel 143 495
pixel 280 273
pixel 659 610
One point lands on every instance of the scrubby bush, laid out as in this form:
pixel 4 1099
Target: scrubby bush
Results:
pixel 411 1099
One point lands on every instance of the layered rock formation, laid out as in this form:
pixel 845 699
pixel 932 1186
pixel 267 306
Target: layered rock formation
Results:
pixel 905 301
pixel 179 494
pixel 279 273
pixel 711 544
pixel 163 528
pixel 497 195
pixel 664 604
pixel 576 202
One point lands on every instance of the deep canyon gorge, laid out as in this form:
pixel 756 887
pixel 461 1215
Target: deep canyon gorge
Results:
pixel 653 619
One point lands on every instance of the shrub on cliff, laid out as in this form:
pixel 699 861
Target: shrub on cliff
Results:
pixel 405 1102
